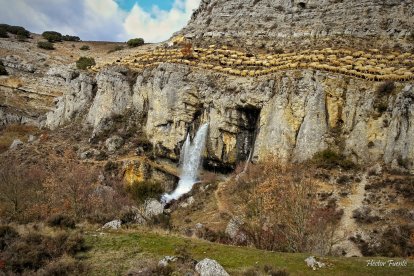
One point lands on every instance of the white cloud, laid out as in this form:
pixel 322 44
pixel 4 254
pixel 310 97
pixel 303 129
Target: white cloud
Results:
pixel 97 19
pixel 158 25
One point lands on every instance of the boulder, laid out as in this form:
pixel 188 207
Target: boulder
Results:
pixel 313 263
pixel 113 143
pixel 167 260
pixel 16 144
pixel 153 207
pixel 208 267
pixel 114 224
pixel 89 154
pixel 233 230
pixel 188 202
pixel 31 139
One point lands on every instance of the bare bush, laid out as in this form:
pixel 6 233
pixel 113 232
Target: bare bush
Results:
pixel 48 189
pixel 19 189
pixel 34 251
pixel 282 211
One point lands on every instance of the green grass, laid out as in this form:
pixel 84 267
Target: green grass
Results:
pixel 115 252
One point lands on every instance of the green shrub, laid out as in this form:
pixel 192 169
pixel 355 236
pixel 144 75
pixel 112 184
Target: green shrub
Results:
pixel 84 48
pixel 144 190
pixel 85 62
pixel 17 30
pixel 61 220
pixel 21 38
pixel 329 159
pixel 116 48
pixel 52 36
pixel 45 45
pixel 135 42
pixel 70 38
pixel 3 71
pixel 3 33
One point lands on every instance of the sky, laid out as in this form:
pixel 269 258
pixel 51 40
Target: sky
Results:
pixel 103 20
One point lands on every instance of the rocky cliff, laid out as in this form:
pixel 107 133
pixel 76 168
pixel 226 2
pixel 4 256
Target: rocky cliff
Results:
pixel 292 114
pixel 303 23
pixel 292 105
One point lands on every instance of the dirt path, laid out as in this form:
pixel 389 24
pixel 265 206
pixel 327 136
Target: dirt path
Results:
pixel 348 227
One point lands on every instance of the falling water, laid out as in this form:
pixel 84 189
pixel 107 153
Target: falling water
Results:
pixel 190 160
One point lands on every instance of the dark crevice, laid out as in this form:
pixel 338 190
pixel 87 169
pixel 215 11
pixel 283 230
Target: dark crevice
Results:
pixel 248 122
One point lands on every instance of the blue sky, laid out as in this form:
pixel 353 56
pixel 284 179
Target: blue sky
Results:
pixel 107 20
pixel 145 4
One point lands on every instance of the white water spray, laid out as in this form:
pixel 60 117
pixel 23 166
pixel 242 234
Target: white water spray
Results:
pixel 190 160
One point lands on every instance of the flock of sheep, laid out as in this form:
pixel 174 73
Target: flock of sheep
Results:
pixel 370 65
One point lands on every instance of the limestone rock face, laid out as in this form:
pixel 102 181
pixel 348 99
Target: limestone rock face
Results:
pixel 399 143
pixel 78 92
pixel 292 114
pixel 113 97
pixel 289 23
pixel 16 63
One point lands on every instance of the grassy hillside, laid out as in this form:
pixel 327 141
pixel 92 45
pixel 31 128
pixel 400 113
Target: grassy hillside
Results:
pixel 113 253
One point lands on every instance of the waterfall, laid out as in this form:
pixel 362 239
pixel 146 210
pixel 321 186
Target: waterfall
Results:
pixel 190 161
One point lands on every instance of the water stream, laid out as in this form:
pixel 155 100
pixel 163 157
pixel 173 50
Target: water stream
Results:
pixel 190 160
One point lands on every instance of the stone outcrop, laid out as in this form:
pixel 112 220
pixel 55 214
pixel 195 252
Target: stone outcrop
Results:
pixel 78 92
pixel 292 23
pixel 292 114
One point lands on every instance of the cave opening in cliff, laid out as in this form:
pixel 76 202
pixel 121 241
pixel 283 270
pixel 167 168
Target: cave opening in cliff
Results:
pixel 247 125
pixel 248 122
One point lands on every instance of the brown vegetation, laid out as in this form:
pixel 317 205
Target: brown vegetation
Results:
pixel 282 211
pixel 47 189
pixel 44 254
pixel 187 50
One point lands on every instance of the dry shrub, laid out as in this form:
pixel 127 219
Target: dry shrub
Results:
pixel 143 190
pixel 64 266
pixel 329 159
pixel 70 190
pixel 61 220
pixel 395 241
pixel 76 191
pixel 33 251
pixel 19 189
pixel 50 188
pixel 7 236
pixel 209 177
pixel 187 50
pixel 363 215
pixel 282 211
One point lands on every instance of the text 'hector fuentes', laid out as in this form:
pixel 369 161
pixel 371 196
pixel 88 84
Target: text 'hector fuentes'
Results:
pixel 387 263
